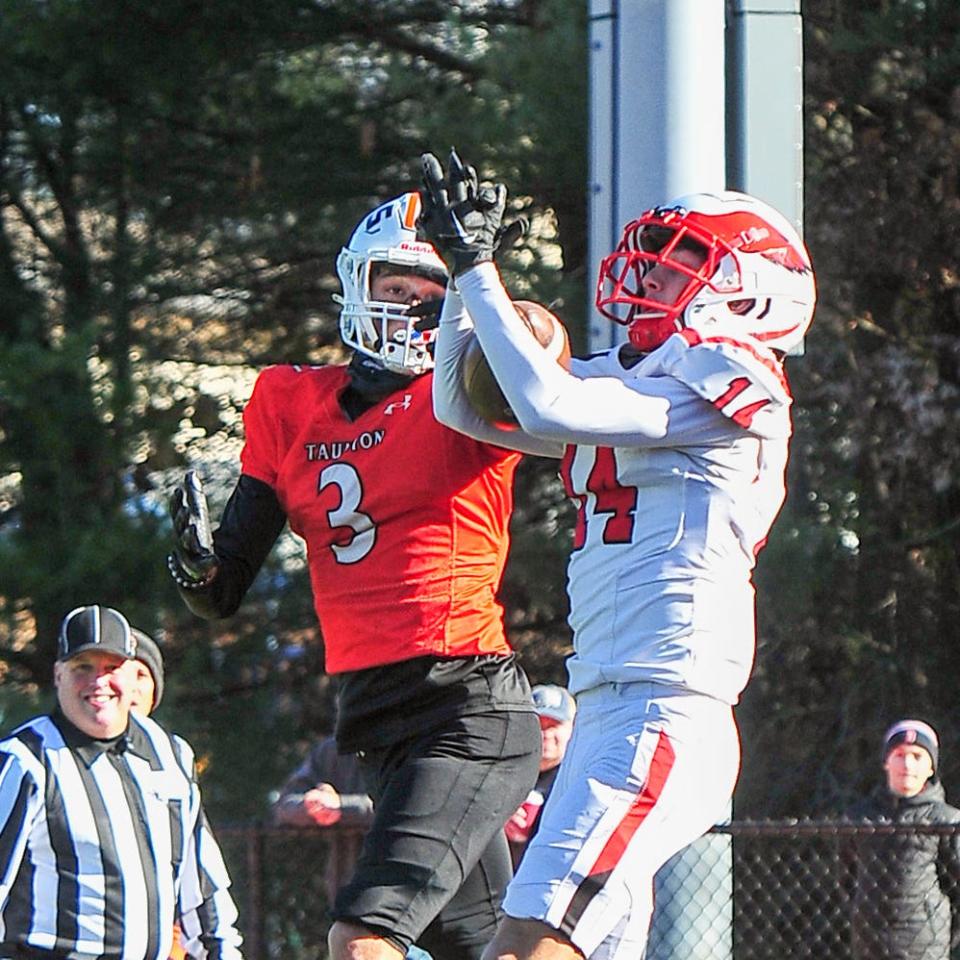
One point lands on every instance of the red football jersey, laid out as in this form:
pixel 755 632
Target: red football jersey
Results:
pixel 405 521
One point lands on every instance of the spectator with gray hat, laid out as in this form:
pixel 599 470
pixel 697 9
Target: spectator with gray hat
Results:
pixel 147 694
pixel 555 708
pixel 905 885
pixel 149 674
pixel 104 842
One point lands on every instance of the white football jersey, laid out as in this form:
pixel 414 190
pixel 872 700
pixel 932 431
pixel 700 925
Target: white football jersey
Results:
pixel 667 536
pixel 677 467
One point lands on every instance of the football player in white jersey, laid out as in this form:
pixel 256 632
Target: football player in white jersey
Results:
pixel 674 447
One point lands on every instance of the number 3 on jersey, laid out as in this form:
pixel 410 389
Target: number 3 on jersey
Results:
pixel 356 532
pixel 614 505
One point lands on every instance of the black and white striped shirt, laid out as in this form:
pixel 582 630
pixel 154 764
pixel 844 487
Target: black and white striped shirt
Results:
pixel 104 844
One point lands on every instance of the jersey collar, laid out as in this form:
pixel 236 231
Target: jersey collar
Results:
pixel 133 740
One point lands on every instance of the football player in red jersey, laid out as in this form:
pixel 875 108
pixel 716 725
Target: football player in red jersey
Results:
pixel 406 529
pixel 674 448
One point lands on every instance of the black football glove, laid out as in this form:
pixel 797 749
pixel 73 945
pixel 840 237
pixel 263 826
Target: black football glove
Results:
pixel 461 218
pixel 192 563
pixel 427 313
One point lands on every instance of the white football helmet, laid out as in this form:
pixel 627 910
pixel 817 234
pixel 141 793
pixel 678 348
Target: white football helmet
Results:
pixel 387 235
pixel 755 279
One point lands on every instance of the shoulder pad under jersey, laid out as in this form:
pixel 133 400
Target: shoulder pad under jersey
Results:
pixel 742 379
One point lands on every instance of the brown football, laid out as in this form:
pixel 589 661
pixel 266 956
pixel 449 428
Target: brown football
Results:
pixel 481 385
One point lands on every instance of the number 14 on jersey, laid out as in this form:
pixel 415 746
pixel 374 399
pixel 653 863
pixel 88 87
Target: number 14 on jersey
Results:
pixel 614 504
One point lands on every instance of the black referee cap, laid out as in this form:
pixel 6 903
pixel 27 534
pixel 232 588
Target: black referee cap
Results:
pixel 95 628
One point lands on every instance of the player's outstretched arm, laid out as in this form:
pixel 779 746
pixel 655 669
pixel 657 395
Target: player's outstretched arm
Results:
pixel 450 403
pixel 192 563
pixel 213 571
pixel 593 403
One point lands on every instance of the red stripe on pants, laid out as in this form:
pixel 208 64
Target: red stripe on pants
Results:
pixel 660 766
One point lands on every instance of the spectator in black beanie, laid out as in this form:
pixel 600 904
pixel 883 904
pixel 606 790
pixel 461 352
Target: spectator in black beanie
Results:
pixel 148 664
pixel 905 885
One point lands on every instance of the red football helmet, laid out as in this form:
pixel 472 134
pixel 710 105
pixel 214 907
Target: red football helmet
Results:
pixel 747 272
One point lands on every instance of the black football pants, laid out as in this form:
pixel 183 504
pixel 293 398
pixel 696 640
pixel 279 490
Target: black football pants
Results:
pixel 435 863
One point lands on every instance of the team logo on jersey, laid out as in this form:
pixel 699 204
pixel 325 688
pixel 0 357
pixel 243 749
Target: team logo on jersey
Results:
pixel 403 404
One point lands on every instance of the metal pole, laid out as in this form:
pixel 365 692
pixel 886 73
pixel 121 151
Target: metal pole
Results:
pixel 765 106
pixel 656 116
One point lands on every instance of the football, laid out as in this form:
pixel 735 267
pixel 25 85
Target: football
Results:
pixel 481 385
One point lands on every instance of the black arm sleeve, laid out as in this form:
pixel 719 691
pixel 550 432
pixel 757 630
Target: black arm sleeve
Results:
pixel 251 522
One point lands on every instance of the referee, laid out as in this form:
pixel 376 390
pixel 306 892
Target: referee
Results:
pixel 103 838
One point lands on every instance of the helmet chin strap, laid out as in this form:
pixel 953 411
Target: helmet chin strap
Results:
pixel 647 335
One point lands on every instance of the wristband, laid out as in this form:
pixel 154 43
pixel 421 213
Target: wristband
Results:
pixel 182 578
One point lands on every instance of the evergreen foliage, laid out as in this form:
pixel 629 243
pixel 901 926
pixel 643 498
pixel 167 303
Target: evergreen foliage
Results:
pixel 175 183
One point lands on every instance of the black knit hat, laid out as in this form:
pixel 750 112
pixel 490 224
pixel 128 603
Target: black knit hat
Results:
pixel 148 653
pixel 914 732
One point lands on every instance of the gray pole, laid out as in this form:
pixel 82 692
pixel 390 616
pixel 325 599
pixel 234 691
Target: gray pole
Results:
pixel 656 116
pixel 765 103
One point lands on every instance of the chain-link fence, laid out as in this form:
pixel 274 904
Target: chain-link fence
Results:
pixel 830 890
